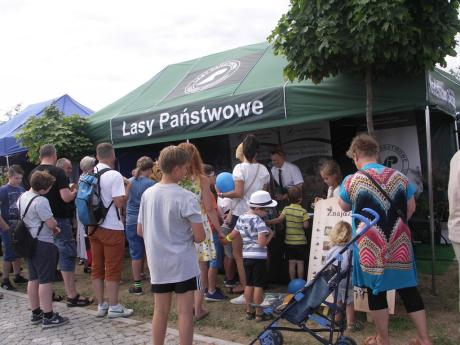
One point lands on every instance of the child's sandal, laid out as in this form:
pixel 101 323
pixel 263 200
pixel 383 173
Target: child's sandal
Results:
pixel 250 315
pixel 264 317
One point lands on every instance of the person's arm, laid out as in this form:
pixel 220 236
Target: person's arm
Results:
pixel 198 232
pixel 264 238
pixel 52 224
pixel 344 206
pixel 66 195
pixel 276 220
pixel 4 225
pixel 305 224
pixel 206 198
pixel 410 208
pixel 140 230
pixel 238 192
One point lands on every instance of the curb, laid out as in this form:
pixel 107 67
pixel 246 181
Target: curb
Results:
pixel 170 331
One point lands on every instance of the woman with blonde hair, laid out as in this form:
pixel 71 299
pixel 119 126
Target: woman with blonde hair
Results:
pixel 138 185
pixel 198 183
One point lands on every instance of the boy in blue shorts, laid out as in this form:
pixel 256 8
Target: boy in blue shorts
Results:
pixel 170 222
pixel 255 235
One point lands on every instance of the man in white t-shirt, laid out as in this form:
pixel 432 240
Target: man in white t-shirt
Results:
pixel 284 174
pixel 108 240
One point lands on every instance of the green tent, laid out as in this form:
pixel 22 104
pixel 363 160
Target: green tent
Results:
pixel 243 89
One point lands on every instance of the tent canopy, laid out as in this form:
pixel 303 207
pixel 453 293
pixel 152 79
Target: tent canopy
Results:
pixel 244 89
pixel 8 130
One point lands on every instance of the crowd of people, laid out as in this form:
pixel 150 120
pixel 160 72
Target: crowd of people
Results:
pixel 175 219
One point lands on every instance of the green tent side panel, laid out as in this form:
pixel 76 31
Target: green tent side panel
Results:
pixel 258 71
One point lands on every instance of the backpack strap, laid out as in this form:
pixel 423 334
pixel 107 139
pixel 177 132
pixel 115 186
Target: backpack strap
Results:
pixel 98 175
pixel 27 209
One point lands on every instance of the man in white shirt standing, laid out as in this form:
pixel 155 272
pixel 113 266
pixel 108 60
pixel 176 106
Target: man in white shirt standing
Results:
pixel 453 192
pixel 284 174
pixel 108 239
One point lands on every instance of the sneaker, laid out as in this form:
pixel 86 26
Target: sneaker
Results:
pixel 6 284
pixel 55 321
pixel 238 300
pixel 216 296
pixel 119 311
pixel 102 309
pixel 135 290
pixel 35 319
pixel 20 279
pixel 231 283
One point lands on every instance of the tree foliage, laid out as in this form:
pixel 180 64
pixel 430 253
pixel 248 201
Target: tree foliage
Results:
pixel 67 133
pixel 367 38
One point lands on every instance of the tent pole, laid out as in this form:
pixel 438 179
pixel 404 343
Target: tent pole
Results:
pixel 7 161
pixel 430 194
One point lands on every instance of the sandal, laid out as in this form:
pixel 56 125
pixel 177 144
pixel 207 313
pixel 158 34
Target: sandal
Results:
pixel 78 302
pixel 371 340
pixel 237 290
pixel 250 315
pixel 264 317
pixel 202 316
pixel 355 326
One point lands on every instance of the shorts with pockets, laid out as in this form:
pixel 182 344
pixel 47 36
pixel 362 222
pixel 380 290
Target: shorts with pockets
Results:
pixel 8 253
pixel 296 252
pixel 66 245
pixel 135 242
pixel 217 262
pixel 256 272
pixel 42 266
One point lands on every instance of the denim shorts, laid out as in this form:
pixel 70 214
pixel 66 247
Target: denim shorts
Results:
pixel 42 266
pixel 8 253
pixel 135 242
pixel 66 245
pixel 217 262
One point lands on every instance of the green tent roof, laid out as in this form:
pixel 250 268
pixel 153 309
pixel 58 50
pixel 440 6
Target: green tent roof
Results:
pixel 243 89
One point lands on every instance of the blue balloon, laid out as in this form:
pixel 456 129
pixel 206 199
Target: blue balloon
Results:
pixel 295 285
pixel 224 182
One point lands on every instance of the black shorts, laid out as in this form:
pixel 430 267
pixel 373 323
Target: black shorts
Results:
pixel 256 272
pixel 42 266
pixel 191 284
pixel 296 252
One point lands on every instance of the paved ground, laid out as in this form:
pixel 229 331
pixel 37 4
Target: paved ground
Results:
pixel 84 327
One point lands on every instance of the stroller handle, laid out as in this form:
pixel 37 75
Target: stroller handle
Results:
pixel 365 220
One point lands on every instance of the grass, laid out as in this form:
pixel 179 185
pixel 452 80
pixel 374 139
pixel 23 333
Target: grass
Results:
pixel 444 257
pixel 227 321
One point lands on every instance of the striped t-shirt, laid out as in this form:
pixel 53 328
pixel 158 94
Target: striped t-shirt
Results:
pixel 295 216
pixel 249 227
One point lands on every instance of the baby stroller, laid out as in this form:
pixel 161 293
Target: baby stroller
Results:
pixel 306 302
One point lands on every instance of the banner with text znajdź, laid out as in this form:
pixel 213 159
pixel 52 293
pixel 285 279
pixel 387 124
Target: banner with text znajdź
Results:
pixel 220 113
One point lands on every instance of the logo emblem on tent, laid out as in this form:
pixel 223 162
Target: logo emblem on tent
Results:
pixel 213 76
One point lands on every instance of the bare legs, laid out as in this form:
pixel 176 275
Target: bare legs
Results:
pixel 199 293
pixel 40 295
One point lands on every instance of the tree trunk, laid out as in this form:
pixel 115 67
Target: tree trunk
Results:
pixel 369 101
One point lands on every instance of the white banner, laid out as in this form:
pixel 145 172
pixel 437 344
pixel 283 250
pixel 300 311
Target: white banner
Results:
pixel 399 150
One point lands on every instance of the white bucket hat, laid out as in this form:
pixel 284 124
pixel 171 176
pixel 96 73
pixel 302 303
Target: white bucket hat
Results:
pixel 261 198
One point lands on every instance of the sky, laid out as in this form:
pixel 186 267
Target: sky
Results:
pixel 98 51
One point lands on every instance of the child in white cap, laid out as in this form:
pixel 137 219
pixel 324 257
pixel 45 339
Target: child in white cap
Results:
pixel 255 235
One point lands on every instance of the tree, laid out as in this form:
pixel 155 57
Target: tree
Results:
pixel 368 38
pixel 67 133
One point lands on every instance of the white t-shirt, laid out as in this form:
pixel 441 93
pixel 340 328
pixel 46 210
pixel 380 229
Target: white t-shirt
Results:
pixel 166 213
pixel 111 186
pixel 246 172
pixel 39 211
pixel 290 174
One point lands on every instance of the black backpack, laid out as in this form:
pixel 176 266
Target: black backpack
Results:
pixel 24 245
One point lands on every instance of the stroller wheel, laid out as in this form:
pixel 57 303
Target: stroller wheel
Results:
pixel 271 337
pixel 343 340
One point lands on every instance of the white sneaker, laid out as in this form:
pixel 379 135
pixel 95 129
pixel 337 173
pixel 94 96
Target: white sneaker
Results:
pixel 102 309
pixel 119 311
pixel 238 300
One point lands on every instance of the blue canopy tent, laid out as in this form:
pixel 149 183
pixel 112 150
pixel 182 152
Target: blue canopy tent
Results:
pixel 10 146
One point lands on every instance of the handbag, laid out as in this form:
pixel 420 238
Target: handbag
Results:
pixel 398 211
pixel 23 243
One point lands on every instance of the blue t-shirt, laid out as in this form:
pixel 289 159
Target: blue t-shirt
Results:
pixel 138 187
pixel 9 195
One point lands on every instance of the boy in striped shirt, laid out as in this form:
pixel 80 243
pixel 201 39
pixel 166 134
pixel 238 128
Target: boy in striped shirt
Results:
pixel 255 235
pixel 296 218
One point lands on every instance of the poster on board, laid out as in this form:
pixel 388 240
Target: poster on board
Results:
pixel 327 214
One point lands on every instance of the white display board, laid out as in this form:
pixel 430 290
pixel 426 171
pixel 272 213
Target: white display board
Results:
pixel 327 214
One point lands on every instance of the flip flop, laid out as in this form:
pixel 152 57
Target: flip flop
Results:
pixel 202 316
pixel 77 301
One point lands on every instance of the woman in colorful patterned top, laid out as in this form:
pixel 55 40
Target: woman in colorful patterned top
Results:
pixel 198 183
pixel 383 258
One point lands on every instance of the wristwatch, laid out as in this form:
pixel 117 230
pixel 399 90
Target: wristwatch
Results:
pixel 221 194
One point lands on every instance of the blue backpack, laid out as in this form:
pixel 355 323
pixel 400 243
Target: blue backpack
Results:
pixel 90 208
